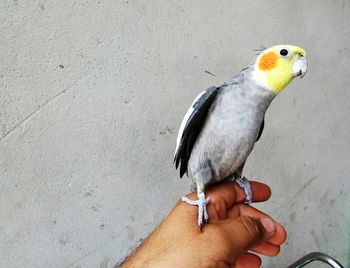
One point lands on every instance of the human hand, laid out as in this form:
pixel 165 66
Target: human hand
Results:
pixel 234 229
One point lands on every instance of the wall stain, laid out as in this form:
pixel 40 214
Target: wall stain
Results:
pixel 308 183
pixel 291 202
pixel 131 232
pixel 314 236
pixel 89 193
pixel 167 131
pixel 104 263
pixel 292 216
pixel 332 201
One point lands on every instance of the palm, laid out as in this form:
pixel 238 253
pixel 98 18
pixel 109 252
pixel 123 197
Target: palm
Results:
pixel 226 202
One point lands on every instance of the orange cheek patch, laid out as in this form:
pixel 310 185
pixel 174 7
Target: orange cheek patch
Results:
pixel 268 61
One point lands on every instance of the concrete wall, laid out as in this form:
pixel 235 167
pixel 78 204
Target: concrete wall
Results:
pixel 91 97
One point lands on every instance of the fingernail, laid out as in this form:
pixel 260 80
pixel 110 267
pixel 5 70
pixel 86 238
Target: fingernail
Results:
pixel 269 225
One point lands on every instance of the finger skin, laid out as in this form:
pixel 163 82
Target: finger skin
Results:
pixel 232 193
pixel 281 234
pixel 234 237
pixel 248 260
pixel 221 206
pixel 224 196
pixel 267 249
pixel 217 208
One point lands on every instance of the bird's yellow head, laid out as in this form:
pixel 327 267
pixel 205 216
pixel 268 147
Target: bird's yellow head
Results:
pixel 276 66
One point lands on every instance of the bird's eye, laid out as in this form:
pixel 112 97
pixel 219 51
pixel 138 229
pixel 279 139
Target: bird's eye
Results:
pixel 284 52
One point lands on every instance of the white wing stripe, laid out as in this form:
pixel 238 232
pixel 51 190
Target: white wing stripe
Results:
pixel 184 121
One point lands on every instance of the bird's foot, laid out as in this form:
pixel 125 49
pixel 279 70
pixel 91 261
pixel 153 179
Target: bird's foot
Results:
pixel 201 202
pixel 245 184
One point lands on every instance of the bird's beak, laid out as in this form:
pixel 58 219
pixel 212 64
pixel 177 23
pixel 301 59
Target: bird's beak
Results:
pixel 300 66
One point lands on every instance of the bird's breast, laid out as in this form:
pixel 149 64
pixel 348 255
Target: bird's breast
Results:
pixel 228 136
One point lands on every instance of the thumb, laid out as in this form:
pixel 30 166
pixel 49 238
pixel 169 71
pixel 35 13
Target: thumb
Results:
pixel 246 232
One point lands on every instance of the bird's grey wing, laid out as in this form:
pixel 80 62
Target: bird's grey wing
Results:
pixel 261 130
pixel 238 172
pixel 191 126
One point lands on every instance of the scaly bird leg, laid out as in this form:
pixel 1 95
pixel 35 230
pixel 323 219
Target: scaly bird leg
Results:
pixel 245 184
pixel 201 202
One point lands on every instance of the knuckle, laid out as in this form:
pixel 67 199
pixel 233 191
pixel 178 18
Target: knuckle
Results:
pixel 220 240
pixel 219 233
pixel 252 228
pixel 219 207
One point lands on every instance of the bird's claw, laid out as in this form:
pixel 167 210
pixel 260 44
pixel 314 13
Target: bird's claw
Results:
pixel 201 202
pixel 245 184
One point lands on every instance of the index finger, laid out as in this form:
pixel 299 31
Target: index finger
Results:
pixel 223 196
pixel 281 234
pixel 232 193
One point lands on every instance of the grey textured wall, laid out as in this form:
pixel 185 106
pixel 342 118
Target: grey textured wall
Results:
pixel 91 97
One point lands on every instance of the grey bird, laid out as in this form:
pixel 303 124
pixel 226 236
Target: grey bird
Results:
pixel 222 125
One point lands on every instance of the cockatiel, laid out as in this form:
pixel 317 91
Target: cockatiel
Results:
pixel 221 127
